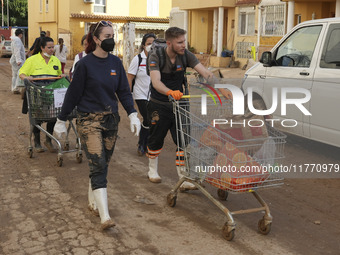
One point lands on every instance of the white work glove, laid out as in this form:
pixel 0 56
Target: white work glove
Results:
pixel 60 128
pixel 134 123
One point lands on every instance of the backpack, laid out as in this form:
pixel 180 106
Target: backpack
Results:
pixel 158 46
pixel 134 79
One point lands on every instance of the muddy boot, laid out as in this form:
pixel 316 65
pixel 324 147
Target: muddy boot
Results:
pixel 92 203
pixel 100 197
pixel 140 150
pixel 153 171
pixel 49 145
pixel 37 145
pixel 143 135
pixel 185 185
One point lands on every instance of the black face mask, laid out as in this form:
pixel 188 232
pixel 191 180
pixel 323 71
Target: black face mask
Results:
pixel 108 45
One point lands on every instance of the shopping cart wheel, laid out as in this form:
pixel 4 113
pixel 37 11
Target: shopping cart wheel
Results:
pixel 66 146
pixel 171 199
pixel 30 152
pixel 79 157
pixel 264 229
pixel 222 194
pixel 228 235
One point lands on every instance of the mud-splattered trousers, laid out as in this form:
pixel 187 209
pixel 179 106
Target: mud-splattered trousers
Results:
pixel 98 135
pixel 162 119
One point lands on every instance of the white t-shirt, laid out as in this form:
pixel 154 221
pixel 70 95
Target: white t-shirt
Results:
pixel 61 55
pixel 142 80
pixel 76 59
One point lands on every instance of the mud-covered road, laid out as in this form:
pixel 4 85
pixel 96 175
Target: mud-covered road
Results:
pixel 43 207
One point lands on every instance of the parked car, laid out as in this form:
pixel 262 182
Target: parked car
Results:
pixel 307 57
pixel 5 48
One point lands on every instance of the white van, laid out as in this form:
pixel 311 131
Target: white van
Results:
pixel 307 57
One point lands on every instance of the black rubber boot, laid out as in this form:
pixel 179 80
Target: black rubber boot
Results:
pixel 37 145
pixel 143 136
pixel 49 145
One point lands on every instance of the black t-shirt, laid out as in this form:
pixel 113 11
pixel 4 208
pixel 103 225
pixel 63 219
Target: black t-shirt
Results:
pixel 170 72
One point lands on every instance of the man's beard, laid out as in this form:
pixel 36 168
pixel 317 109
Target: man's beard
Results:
pixel 177 52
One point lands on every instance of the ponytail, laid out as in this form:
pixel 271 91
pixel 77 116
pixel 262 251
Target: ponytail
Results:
pixel 91 44
pixel 61 41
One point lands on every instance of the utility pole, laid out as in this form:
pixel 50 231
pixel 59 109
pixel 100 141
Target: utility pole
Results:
pixel 2 13
pixel 7 15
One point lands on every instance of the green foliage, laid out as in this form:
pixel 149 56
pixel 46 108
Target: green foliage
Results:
pixel 17 13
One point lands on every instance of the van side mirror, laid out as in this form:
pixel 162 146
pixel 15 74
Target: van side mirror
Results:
pixel 266 59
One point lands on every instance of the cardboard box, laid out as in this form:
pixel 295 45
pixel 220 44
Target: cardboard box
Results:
pixel 219 61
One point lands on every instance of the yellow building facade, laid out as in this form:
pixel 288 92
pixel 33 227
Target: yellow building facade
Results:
pixel 247 24
pixel 70 20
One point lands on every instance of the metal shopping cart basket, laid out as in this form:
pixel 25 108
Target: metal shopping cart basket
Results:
pixel 216 153
pixel 40 95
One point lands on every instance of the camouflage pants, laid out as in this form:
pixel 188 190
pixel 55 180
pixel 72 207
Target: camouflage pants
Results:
pixel 98 135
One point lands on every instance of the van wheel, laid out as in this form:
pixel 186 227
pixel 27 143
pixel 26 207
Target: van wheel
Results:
pixel 258 105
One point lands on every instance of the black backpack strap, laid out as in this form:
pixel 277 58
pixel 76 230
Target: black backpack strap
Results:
pixel 185 64
pixel 139 61
pixel 134 79
pixel 161 56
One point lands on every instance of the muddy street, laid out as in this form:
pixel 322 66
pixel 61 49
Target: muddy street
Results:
pixel 43 207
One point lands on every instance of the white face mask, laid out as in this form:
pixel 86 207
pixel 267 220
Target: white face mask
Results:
pixel 148 48
pixel 47 55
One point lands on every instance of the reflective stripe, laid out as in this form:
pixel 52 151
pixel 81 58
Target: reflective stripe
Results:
pixel 180 162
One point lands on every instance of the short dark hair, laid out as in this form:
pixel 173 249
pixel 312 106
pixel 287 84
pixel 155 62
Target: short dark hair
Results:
pixel 174 32
pixel 146 36
pixel 19 31
pixel 83 39
pixel 45 40
pixel 42 33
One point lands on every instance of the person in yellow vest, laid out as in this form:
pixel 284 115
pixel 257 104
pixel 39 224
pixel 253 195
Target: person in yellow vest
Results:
pixel 42 64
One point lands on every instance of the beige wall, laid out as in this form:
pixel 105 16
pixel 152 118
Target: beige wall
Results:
pixel 138 8
pixel 321 10
pixel 201 30
pixel 199 4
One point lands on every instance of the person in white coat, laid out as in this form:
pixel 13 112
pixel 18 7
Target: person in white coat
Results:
pixel 17 59
pixel 140 88
pixel 61 53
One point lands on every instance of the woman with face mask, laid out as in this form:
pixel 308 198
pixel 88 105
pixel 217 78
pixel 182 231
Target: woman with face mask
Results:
pixel 139 83
pixel 98 82
pixel 42 64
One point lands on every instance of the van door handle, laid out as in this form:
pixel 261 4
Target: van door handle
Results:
pixel 262 76
pixel 304 73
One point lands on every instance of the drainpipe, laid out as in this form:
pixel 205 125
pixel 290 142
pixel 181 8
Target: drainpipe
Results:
pixel 337 8
pixel 290 18
pixel 215 28
pixel 186 27
pixel 259 29
pixel 220 30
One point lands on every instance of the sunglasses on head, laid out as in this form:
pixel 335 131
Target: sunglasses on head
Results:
pixel 103 23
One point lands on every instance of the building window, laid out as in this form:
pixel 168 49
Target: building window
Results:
pixel 273 20
pixel 153 8
pixel 100 6
pixel 246 21
pixel 46 5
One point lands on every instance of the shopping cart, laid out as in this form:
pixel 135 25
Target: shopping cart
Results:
pixel 40 95
pixel 213 155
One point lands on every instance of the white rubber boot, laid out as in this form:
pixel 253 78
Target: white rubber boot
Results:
pixel 153 171
pixel 100 197
pixel 185 185
pixel 92 204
